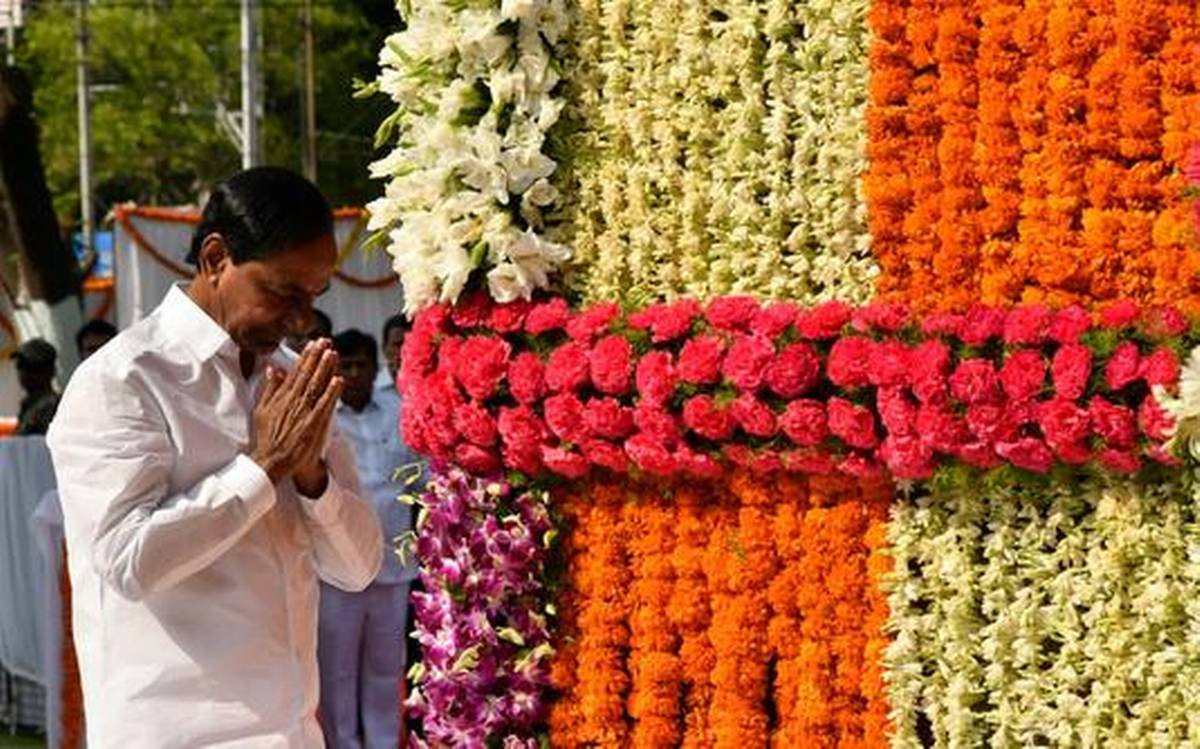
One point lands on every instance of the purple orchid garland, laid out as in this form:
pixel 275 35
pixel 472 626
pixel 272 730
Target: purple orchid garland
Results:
pixel 482 546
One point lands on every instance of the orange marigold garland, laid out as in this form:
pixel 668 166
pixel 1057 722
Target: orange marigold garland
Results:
pixel 689 611
pixel 654 663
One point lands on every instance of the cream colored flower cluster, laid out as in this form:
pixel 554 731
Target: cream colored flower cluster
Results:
pixel 467 180
pixel 718 149
pixel 1061 617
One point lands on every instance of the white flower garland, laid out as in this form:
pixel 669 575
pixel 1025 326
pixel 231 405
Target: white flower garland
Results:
pixel 472 82
pixel 719 149
pixel 1066 618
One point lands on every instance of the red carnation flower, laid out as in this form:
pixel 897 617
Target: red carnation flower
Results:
pixel 982 324
pixel 1117 425
pixel 1159 454
pixel 606 455
pixel 804 422
pixel 592 322
pixel 447 353
pixel 657 423
pixel 568 367
pixel 655 377
pixel 475 424
pixel 1120 314
pixel 1062 422
pixel 1023 375
pixel 975 381
pixel 417 354
pixel 765 463
pixel 480 364
pixel 702 415
pixel 853 424
pixel 740 455
pixel 1156 423
pixel 509 317
pixel 525 378
pixel 897 412
pixel 667 322
pixel 1070 370
pixel 755 417
pixel 1069 324
pixel 606 417
pixel 824 321
pixel 885 317
pixel 930 371
pixel 731 312
pixel 612 365
pixel 1029 453
pixel 1073 453
pixel 475 459
pixel 564 416
pixel 522 434
pixel 943 324
pixel 565 462
pixel 1120 461
pixel 907 457
pixel 547 316
pixel 940 428
pixel 1161 368
pixel 1027 325
pixel 472 310
pixel 433 319
pixel 978 454
pixel 771 321
pixel 650 456
pixel 890 365
pixel 991 422
pixel 700 360
pixel 794 371
pixel 699 465
pixel 746 363
pixel 1124 366
pixel 1172 321
pixel 850 361
pixel 860 467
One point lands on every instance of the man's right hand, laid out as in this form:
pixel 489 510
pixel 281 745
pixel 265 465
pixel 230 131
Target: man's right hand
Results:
pixel 292 413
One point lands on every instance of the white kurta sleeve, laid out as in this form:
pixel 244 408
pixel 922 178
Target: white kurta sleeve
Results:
pixel 113 457
pixel 347 540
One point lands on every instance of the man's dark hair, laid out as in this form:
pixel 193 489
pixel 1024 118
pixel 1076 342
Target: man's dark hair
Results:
pixel 322 323
pixel 94 327
pixel 262 211
pixel 354 341
pixel 393 322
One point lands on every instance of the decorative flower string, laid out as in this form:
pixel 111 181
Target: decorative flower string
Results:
pixel 467 180
pixel 1045 614
pixel 1031 152
pixel 750 185
pixel 677 389
pixel 482 618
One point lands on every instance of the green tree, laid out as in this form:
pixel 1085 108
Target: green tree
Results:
pixel 163 70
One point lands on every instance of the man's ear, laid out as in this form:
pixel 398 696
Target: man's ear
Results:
pixel 213 257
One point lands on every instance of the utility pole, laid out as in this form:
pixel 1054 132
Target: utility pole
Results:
pixel 310 98
pixel 85 123
pixel 251 148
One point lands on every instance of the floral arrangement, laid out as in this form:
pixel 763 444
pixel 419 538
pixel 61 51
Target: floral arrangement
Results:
pixel 482 619
pixel 684 389
pixel 732 613
pixel 716 150
pixel 1031 153
pixel 468 180
pixel 1051 615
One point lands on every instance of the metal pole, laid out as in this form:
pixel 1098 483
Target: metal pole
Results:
pixel 310 97
pixel 85 124
pixel 10 35
pixel 251 155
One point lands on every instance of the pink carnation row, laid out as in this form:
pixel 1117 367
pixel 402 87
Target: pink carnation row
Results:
pixel 780 387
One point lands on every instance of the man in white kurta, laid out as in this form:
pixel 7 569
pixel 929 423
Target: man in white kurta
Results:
pixel 201 498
